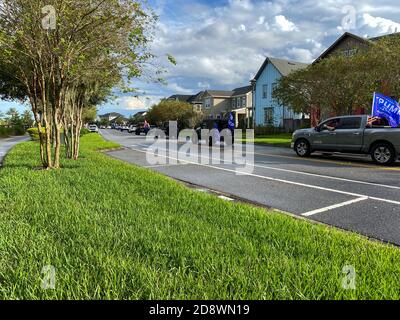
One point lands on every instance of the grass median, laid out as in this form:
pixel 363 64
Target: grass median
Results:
pixel 115 231
pixel 277 140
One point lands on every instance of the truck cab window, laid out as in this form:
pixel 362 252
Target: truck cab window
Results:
pixel 350 123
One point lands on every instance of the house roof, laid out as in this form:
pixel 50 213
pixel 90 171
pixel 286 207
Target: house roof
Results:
pixel 112 114
pixel 285 67
pixel 374 39
pixel 196 98
pixel 242 90
pixel 220 93
pixel 140 113
pixel 343 36
pixel 180 97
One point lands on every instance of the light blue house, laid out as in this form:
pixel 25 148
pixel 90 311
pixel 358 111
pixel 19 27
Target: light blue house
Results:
pixel 267 111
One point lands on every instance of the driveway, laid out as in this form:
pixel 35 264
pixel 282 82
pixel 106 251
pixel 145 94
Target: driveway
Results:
pixel 348 193
pixel 7 144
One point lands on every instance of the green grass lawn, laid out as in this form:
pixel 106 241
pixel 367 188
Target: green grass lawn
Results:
pixel 278 140
pixel 116 231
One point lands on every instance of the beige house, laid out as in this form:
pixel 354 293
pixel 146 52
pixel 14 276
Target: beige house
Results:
pixel 218 104
pixel 196 101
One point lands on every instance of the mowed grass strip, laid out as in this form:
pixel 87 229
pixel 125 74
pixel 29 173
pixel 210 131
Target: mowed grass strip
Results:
pixel 116 231
pixel 283 140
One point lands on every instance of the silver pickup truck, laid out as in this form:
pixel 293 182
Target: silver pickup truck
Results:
pixel 352 134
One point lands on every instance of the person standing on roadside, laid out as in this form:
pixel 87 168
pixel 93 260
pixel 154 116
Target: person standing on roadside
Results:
pixel 146 127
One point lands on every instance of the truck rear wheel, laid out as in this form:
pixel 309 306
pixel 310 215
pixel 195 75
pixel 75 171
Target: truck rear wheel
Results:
pixel 302 148
pixel 383 154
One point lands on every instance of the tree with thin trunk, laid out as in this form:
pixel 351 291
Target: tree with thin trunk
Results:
pixel 53 54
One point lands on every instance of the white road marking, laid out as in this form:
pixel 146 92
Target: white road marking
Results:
pixel 226 198
pixel 164 165
pixel 336 206
pixel 279 180
pixel 304 173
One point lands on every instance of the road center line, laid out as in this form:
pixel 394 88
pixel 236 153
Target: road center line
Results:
pixel 336 206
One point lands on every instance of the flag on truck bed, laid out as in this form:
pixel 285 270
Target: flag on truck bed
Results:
pixel 385 107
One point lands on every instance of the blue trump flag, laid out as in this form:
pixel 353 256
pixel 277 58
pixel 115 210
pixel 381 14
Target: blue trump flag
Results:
pixel 384 107
pixel 231 122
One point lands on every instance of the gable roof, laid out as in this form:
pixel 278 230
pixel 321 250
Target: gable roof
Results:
pixel 242 90
pixel 197 98
pixel 220 93
pixel 112 115
pixel 338 41
pixel 285 67
pixel 180 97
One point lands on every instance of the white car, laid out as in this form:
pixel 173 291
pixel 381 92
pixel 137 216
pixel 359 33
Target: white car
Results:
pixel 93 128
pixel 132 129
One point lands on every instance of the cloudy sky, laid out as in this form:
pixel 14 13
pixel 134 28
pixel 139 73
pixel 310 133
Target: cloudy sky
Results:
pixel 221 44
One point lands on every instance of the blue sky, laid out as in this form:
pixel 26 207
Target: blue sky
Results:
pixel 221 44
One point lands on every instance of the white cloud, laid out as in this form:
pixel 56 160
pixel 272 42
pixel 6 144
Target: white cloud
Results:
pixel 203 85
pixel 301 55
pixel 218 46
pixel 382 24
pixel 284 24
pixel 131 103
pixel 178 89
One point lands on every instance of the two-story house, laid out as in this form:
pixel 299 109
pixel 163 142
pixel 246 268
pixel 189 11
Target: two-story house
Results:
pixel 195 100
pixel 218 104
pixel 347 45
pixel 267 111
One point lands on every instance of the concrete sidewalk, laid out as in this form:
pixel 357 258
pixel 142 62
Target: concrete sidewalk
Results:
pixel 7 144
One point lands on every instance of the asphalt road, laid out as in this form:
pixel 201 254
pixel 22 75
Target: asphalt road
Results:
pixel 7 144
pixel 347 192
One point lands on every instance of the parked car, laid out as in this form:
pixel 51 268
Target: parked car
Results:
pixel 132 128
pixel 124 128
pixel 102 127
pixel 352 134
pixel 94 128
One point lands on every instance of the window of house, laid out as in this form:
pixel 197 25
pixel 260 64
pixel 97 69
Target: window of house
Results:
pixel 234 103
pixel 273 87
pixel 265 91
pixel 269 116
pixel 349 53
pixel 243 102
pixel 208 103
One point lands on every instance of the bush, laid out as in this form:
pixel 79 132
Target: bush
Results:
pixel 4 132
pixel 11 131
pixel 19 131
pixel 84 132
pixel 34 133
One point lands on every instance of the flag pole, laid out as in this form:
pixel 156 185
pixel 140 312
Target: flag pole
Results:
pixel 373 104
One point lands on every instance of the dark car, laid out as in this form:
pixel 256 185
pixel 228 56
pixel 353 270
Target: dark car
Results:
pixel 165 127
pixel 219 124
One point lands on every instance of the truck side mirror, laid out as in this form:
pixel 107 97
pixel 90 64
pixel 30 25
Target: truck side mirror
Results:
pixel 317 129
